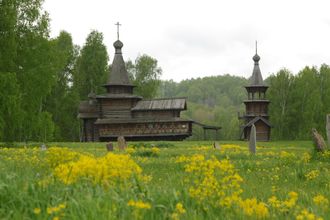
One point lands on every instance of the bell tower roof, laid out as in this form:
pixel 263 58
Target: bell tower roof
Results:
pixel 256 78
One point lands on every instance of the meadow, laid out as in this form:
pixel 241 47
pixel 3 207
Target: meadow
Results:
pixel 165 180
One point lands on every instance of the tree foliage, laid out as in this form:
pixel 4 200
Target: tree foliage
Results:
pixel 145 75
pixel 27 55
pixel 92 66
pixel 279 93
pixel 299 102
pixel 63 100
pixel 10 109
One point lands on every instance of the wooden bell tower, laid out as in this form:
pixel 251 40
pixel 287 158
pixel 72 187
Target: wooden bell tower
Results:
pixel 256 106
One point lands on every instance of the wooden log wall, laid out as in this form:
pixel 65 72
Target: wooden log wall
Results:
pixel 256 108
pixel 89 131
pixel 145 128
pixel 116 108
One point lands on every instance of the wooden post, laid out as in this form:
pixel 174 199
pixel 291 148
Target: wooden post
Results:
pixel 319 142
pixel 328 129
pixel 121 143
pixel 253 140
pixel 109 147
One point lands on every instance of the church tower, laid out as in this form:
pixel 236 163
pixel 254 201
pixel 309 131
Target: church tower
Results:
pixel 256 106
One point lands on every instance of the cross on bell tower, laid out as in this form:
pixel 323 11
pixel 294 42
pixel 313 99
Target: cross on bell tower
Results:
pixel 118 24
pixel 256 47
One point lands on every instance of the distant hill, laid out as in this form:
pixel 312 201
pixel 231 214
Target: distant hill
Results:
pixel 213 100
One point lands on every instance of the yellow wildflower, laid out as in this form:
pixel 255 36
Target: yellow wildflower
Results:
pixel 274 202
pixel 321 201
pixel 36 211
pixel 305 215
pixel 62 206
pixel 130 150
pixel 106 170
pixel 51 210
pixel 306 157
pixel 287 155
pixel 179 208
pixel 285 205
pixel 251 207
pixel 213 181
pixel 155 150
pixel 60 155
pixel 175 216
pixel 293 194
pixel 139 204
pixel 312 174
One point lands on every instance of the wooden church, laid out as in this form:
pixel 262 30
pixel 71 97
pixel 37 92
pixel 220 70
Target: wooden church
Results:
pixel 256 106
pixel 119 112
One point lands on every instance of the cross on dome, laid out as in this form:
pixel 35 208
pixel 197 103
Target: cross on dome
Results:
pixel 118 24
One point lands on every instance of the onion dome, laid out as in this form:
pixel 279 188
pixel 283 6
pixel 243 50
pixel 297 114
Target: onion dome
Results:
pixel 118 45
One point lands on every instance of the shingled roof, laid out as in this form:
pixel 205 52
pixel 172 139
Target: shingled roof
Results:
pixel 118 74
pixel 256 79
pixel 161 104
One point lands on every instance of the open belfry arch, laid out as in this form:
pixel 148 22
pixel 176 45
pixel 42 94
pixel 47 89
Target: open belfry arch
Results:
pixel 256 106
pixel 119 112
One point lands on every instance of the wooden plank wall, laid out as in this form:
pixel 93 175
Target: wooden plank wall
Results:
pixel 116 108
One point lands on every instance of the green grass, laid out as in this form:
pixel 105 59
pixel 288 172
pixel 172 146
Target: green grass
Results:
pixel 265 174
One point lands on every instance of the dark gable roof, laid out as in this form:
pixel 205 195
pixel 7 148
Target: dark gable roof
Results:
pixel 257 119
pixel 161 104
pixel 87 110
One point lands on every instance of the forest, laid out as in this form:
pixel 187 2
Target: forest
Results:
pixel 43 79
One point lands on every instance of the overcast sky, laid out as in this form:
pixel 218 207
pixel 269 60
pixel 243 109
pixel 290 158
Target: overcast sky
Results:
pixel 202 38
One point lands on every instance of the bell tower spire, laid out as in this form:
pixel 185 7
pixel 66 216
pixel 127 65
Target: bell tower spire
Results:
pixel 256 78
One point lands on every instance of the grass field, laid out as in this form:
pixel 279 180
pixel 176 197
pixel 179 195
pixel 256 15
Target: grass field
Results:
pixel 165 180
